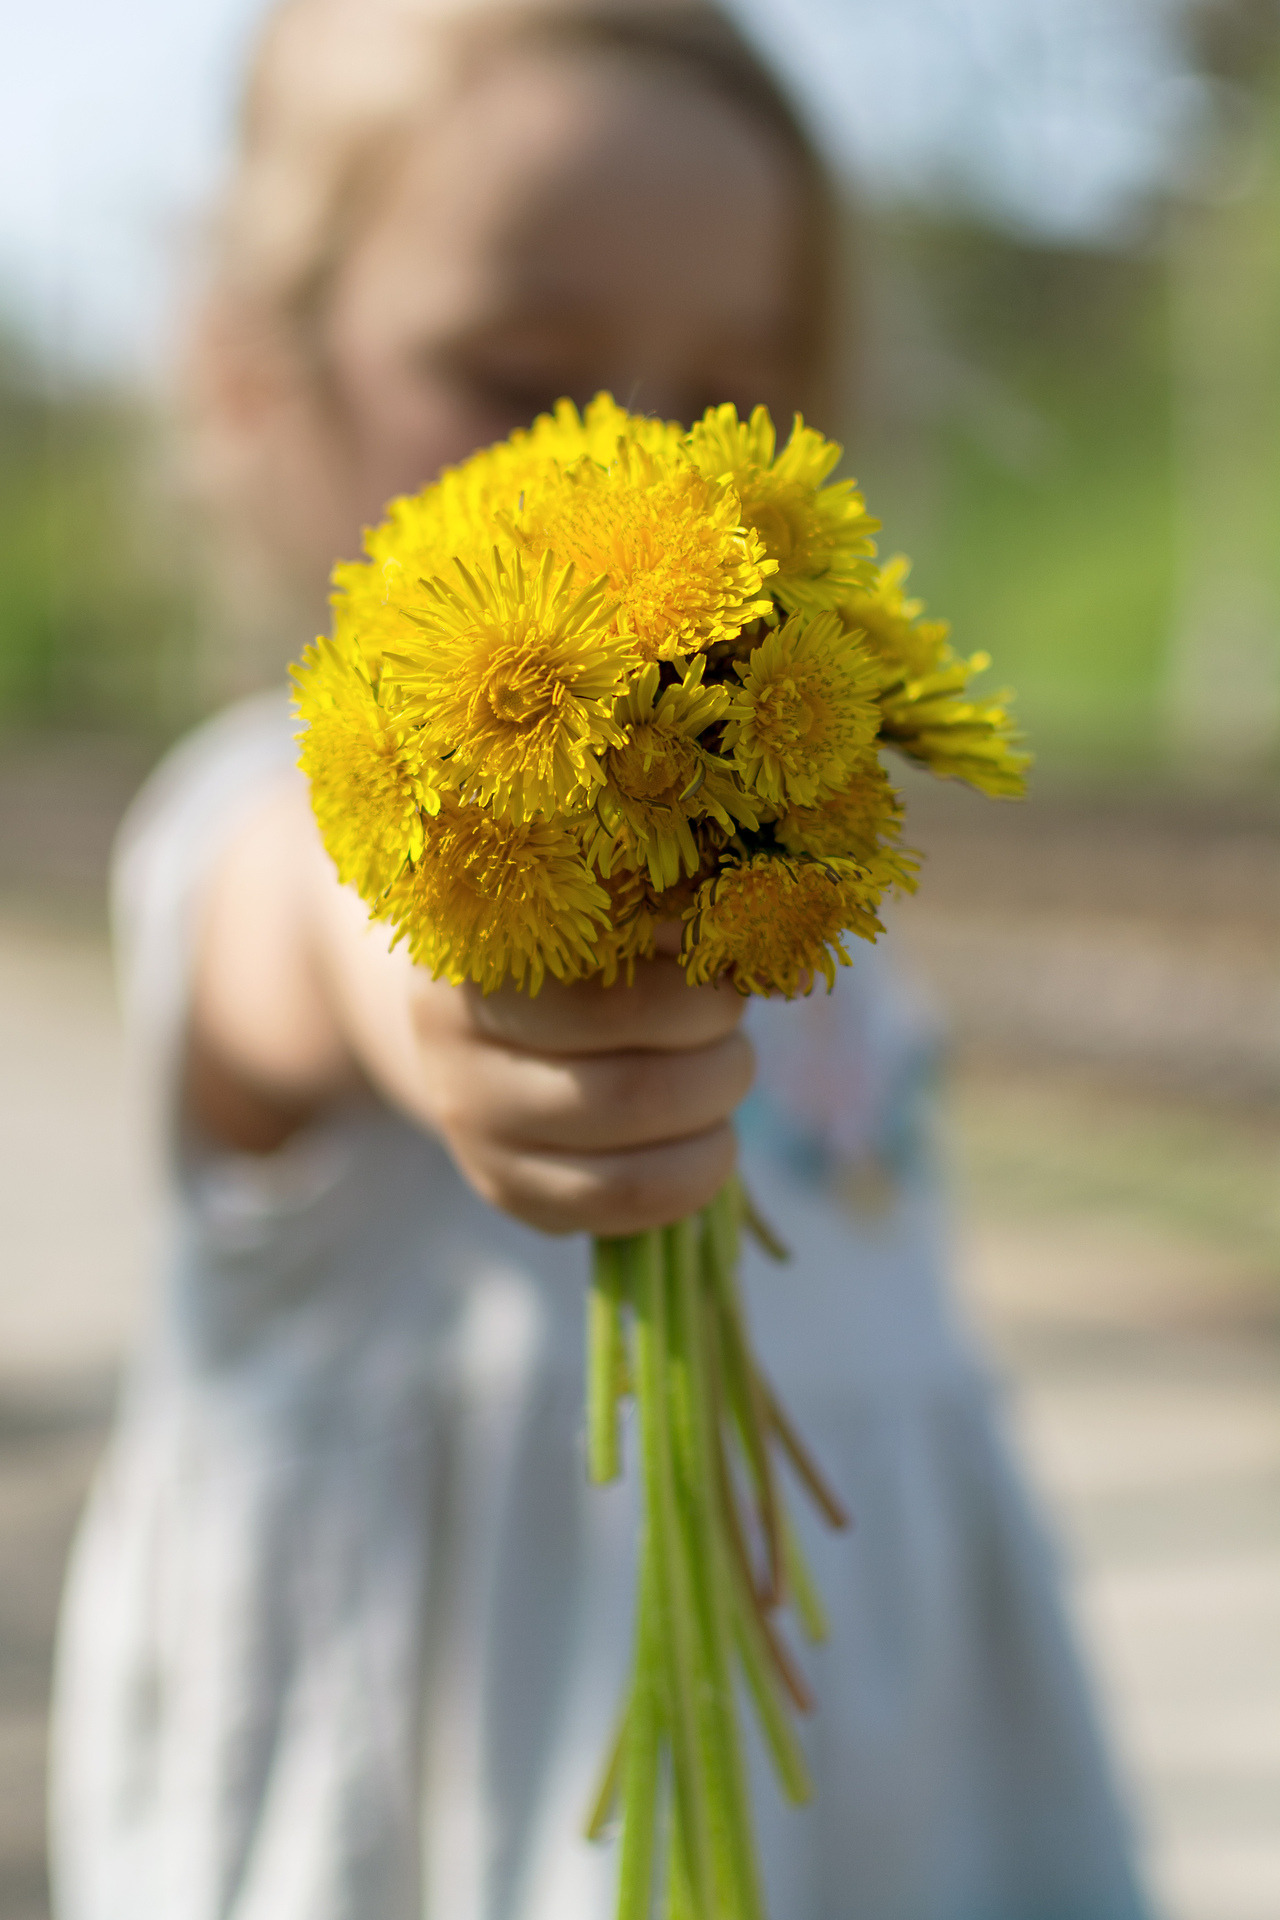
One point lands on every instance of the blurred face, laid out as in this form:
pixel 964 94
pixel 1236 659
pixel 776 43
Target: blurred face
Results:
pixel 570 224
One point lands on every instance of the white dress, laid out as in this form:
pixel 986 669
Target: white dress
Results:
pixel 346 1627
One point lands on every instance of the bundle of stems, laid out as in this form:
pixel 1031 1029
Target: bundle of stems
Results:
pixel 718 1558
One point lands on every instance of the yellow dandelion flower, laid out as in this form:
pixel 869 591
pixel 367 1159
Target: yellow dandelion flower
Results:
pixel 513 676
pixel 805 714
pixel 460 513
pixel 370 779
pixel 564 436
pixel 491 900
pixel 927 712
pixel 682 571
pixel 454 518
pixel 559 698
pixel 861 822
pixel 364 617
pixel 633 922
pixel 774 923
pixel 907 645
pixel 453 515
pixel 820 535
pixel 661 781
pixel 932 722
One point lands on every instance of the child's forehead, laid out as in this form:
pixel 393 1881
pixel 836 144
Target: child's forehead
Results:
pixel 548 151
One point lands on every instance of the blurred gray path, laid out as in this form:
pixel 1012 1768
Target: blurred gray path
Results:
pixel 71 1258
pixel 1145 1372
pixel 1146 1378
pixel 1137 934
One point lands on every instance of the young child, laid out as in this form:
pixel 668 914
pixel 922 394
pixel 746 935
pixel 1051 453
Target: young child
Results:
pixel 346 1628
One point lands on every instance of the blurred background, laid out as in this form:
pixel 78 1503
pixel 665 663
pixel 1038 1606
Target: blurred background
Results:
pixel 1069 247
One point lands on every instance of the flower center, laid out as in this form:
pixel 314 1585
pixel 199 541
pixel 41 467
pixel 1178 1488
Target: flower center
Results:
pixel 653 764
pixel 518 697
pixel 783 715
pixel 780 522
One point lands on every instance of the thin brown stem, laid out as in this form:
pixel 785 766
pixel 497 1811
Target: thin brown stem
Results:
pixel 787 1671
pixel 828 1502
pixel 759 1229
pixel 606 1799
pixel 751 1414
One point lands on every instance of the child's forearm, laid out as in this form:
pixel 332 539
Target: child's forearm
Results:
pixel 265 1047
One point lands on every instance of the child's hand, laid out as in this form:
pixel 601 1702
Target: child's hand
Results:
pixel 592 1109
pixel 603 1110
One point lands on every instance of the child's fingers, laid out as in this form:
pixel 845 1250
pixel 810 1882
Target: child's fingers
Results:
pixel 594 1103
pixel 660 1010
pixel 607 1193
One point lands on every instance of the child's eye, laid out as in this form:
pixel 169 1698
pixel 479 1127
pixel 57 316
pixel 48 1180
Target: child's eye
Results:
pixel 522 397
pixel 515 386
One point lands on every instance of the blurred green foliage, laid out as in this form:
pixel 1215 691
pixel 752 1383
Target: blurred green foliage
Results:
pixel 1034 482
pixel 97 616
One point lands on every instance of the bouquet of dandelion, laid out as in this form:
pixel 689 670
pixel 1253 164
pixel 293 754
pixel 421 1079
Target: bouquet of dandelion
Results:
pixel 606 675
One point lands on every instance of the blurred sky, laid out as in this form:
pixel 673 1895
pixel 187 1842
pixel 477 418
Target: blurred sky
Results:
pixel 1056 116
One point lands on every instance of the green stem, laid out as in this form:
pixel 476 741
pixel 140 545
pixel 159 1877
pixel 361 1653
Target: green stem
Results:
pixel 642 1753
pixel 742 1384
pixel 802 1586
pixel 722 1234
pixel 744 1584
pixel 675 1606
pixel 700 1608
pixel 679 1903
pixel 606 1360
pixel 761 1658
pixel 737 1876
